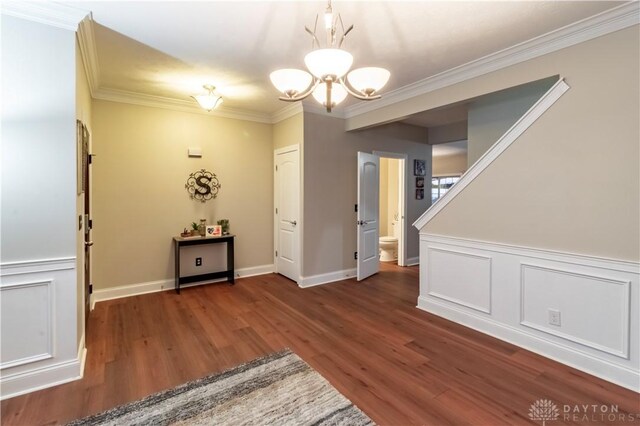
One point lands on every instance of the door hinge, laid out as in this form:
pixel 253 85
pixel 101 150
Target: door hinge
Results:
pixel 90 223
pixel 356 208
pixel 276 168
pixel 90 288
pixel 355 255
pixel 90 158
pixel 276 210
pixel 276 253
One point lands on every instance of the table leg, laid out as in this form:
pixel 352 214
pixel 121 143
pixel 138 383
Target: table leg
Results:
pixel 230 268
pixel 177 267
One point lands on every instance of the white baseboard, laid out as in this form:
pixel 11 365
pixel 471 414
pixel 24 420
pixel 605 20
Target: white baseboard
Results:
pixel 413 261
pixel 329 277
pixel 46 377
pixel 617 374
pixel 254 270
pixel 167 284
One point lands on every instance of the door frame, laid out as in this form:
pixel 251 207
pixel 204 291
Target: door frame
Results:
pixel 276 152
pixel 402 200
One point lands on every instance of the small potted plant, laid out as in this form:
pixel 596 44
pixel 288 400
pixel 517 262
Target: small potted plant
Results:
pixel 195 231
pixel 224 223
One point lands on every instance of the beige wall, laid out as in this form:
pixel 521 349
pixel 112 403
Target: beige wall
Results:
pixel 449 165
pixel 389 195
pixel 288 132
pixel 492 115
pixel 140 201
pixel 389 203
pixel 571 182
pixel 83 113
pixel 384 196
pixel 330 167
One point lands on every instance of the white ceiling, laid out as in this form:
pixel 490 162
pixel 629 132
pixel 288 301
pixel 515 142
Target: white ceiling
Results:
pixel 170 49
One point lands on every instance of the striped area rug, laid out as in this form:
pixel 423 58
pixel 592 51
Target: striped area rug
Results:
pixel 279 389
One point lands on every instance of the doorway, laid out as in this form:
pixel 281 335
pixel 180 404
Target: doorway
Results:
pixel 392 208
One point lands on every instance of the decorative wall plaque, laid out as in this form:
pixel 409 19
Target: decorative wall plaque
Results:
pixel 202 185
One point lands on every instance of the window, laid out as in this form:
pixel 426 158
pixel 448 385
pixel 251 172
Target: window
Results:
pixel 440 186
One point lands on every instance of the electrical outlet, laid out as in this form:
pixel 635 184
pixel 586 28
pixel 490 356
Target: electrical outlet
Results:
pixel 198 261
pixel 554 317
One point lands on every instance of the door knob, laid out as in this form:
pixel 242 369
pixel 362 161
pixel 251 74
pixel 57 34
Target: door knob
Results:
pixel 293 222
pixel 88 243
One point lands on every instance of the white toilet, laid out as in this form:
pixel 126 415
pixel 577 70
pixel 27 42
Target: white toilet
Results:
pixel 389 246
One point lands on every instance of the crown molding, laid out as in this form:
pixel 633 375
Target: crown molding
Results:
pixel 123 96
pixel 286 112
pixel 614 19
pixel 89 53
pixel 48 13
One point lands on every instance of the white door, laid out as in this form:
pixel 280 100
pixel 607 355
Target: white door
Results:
pixel 287 212
pixel 368 206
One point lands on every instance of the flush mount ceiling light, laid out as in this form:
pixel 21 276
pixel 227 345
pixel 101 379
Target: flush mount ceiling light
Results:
pixel 210 101
pixel 328 67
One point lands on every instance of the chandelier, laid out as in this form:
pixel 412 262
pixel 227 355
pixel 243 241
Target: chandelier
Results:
pixel 209 101
pixel 328 67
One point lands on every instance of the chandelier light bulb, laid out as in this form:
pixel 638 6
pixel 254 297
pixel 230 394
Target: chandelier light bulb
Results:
pixel 368 80
pixel 338 94
pixel 291 81
pixel 328 62
pixel 328 19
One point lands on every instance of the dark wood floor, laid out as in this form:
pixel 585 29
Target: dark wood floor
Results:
pixel 398 364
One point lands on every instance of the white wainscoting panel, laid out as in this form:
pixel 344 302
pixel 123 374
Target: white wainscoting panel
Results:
pixel 460 277
pixel 594 310
pixel 39 325
pixel 598 300
pixel 31 338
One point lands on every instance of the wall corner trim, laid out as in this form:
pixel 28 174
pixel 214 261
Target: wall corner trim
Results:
pixel 530 117
pixel 48 13
pixel 89 53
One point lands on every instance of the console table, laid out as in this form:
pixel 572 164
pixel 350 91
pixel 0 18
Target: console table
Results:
pixel 194 241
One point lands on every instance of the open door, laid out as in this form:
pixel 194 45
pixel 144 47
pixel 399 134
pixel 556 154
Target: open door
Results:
pixel 368 205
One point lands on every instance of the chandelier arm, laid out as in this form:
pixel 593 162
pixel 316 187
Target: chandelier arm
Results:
pixel 355 93
pixel 344 36
pixel 313 36
pixel 304 94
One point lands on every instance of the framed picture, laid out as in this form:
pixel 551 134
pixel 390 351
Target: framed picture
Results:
pixel 420 182
pixel 420 194
pixel 419 167
pixel 214 231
